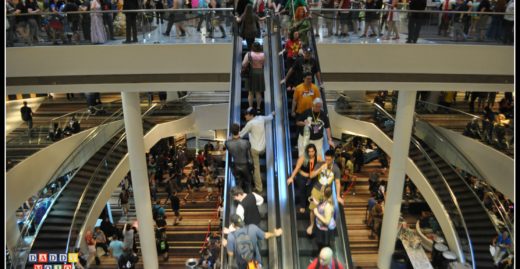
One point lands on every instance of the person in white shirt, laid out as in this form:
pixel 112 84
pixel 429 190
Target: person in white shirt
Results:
pixel 255 127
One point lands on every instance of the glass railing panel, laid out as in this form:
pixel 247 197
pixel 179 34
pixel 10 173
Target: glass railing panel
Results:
pixel 497 207
pixel 386 122
pixel 42 202
pixel 154 26
pixel 41 134
pixel 498 134
pixel 387 24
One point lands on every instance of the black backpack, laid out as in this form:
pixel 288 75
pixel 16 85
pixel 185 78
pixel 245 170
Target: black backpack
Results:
pixel 127 261
pixel 244 247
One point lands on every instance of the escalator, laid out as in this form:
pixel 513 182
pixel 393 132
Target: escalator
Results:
pixel 470 219
pixel 238 104
pixel 65 217
pixel 306 248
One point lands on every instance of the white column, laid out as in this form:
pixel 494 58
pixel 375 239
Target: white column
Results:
pixel 12 233
pixel 394 193
pixel 138 170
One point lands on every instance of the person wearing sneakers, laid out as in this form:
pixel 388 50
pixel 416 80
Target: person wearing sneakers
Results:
pixel 255 127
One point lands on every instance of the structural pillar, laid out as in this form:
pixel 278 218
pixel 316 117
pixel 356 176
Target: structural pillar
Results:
pixel 138 170
pixel 394 193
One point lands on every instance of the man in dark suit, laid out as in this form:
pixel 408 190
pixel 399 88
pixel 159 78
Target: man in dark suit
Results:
pixel 415 20
pixel 131 20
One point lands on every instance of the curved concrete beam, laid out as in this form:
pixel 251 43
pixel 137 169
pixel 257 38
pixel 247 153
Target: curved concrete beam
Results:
pixel 342 124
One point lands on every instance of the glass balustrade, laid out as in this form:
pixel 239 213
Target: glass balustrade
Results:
pixel 369 24
pixel 356 24
pixel 108 27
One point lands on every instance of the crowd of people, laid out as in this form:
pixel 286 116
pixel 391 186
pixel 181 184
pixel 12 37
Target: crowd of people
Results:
pixel 98 28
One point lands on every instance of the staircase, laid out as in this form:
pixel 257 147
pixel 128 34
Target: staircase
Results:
pixel 186 238
pixel 364 250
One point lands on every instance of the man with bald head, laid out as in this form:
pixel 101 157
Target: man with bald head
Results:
pixel 325 260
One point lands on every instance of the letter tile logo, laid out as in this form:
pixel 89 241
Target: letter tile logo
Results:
pixel 63 258
pixel 38 266
pixel 33 257
pixel 67 266
pixel 57 266
pixel 73 257
pixel 42 257
pixel 53 257
pixel 47 266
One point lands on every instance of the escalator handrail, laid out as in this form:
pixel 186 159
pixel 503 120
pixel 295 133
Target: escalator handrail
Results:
pixel 287 255
pixel 234 116
pixel 287 151
pixel 271 152
pixel 341 221
pixel 91 179
pixel 500 207
pixel 31 214
pixel 445 182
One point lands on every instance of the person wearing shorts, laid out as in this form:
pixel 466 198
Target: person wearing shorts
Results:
pixel 327 173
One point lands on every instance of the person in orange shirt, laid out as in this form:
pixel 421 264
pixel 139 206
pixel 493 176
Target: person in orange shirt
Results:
pixel 303 96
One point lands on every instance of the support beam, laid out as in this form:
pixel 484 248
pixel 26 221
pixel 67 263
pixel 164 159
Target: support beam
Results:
pixel 394 193
pixel 138 170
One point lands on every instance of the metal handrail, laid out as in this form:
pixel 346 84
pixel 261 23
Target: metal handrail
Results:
pixel 180 10
pixel 288 153
pixel 451 109
pixel 91 179
pixel 444 181
pixel 234 116
pixel 273 151
pixel 505 217
pixel 186 10
pixel 344 250
pixel 31 215
pixel 413 11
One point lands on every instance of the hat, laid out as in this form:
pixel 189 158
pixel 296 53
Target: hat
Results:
pixel 251 111
pixel 317 100
pixel 307 49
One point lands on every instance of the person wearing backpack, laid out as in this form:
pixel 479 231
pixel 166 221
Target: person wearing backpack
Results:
pixel 326 260
pixel 162 245
pixel 123 201
pixel 242 244
pixel 127 261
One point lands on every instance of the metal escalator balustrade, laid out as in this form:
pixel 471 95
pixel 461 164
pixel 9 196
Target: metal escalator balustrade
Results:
pixel 30 229
pixel 76 200
pixel 464 190
pixel 306 247
pixel 98 178
pixel 238 103
pixel 468 217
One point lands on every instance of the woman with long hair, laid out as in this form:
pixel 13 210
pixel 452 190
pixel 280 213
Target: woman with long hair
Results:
pixel 325 222
pixel 97 29
pixel 249 28
pixel 304 165
pixel 301 24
